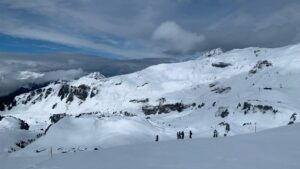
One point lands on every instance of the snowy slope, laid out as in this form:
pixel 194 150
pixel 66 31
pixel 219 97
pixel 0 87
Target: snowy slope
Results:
pixel 275 149
pixel 233 92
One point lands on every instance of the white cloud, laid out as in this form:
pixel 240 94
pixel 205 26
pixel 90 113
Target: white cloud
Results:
pixel 176 39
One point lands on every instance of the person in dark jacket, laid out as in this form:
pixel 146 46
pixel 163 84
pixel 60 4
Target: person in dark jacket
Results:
pixel 182 135
pixel 216 133
pixel 157 138
pixel 191 134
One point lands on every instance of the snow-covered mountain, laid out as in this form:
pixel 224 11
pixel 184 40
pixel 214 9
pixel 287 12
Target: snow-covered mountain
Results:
pixel 236 92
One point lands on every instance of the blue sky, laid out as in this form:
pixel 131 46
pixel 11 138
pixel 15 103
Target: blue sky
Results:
pixel 146 28
pixel 19 45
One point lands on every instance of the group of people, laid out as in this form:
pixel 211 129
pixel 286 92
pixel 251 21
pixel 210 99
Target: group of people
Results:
pixel 180 134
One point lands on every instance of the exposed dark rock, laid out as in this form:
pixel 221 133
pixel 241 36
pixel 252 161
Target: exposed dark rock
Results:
pixel 9 100
pixel 292 118
pixel 256 52
pixel 239 105
pixel 47 129
pixel 222 112
pixel 48 92
pixel 164 108
pixel 38 99
pixel 23 144
pixel 1 117
pixel 56 117
pixel 143 85
pixel 63 91
pixel 139 100
pixel 227 126
pixel 53 107
pixel 81 92
pixel 128 114
pixel 201 105
pixel 221 64
pixel 39 151
pixel 70 98
pixel 93 92
pixel 23 125
pixel 221 90
pixel 213 84
pixel 2 107
pixel 247 124
pixel 247 107
pixel 260 65
pixel 214 104
pixel 161 100
pixel 87 114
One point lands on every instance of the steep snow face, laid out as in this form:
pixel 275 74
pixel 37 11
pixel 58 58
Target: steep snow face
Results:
pixel 273 149
pixel 240 91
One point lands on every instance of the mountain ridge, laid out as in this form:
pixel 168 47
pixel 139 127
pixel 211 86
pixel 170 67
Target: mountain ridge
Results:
pixel 232 92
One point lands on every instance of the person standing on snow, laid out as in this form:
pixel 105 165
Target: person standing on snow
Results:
pixel 191 134
pixel 157 138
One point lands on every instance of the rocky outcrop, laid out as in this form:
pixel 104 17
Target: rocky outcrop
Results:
pixel 221 64
pixel 56 117
pixel 165 108
pixel 67 91
pixel 139 100
pixel 247 107
pixel 259 65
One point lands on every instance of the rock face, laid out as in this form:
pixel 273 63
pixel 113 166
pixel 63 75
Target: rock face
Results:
pixel 165 108
pixel 67 91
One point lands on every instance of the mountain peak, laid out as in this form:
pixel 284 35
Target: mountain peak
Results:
pixel 96 75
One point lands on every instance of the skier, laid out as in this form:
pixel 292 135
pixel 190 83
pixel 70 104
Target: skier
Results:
pixel 191 134
pixel 178 135
pixel 157 138
pixel 182 135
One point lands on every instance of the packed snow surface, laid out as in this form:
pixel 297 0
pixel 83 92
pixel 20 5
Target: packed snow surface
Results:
pixel 272 149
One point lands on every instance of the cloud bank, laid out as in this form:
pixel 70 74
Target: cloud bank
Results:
pixel 18 70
